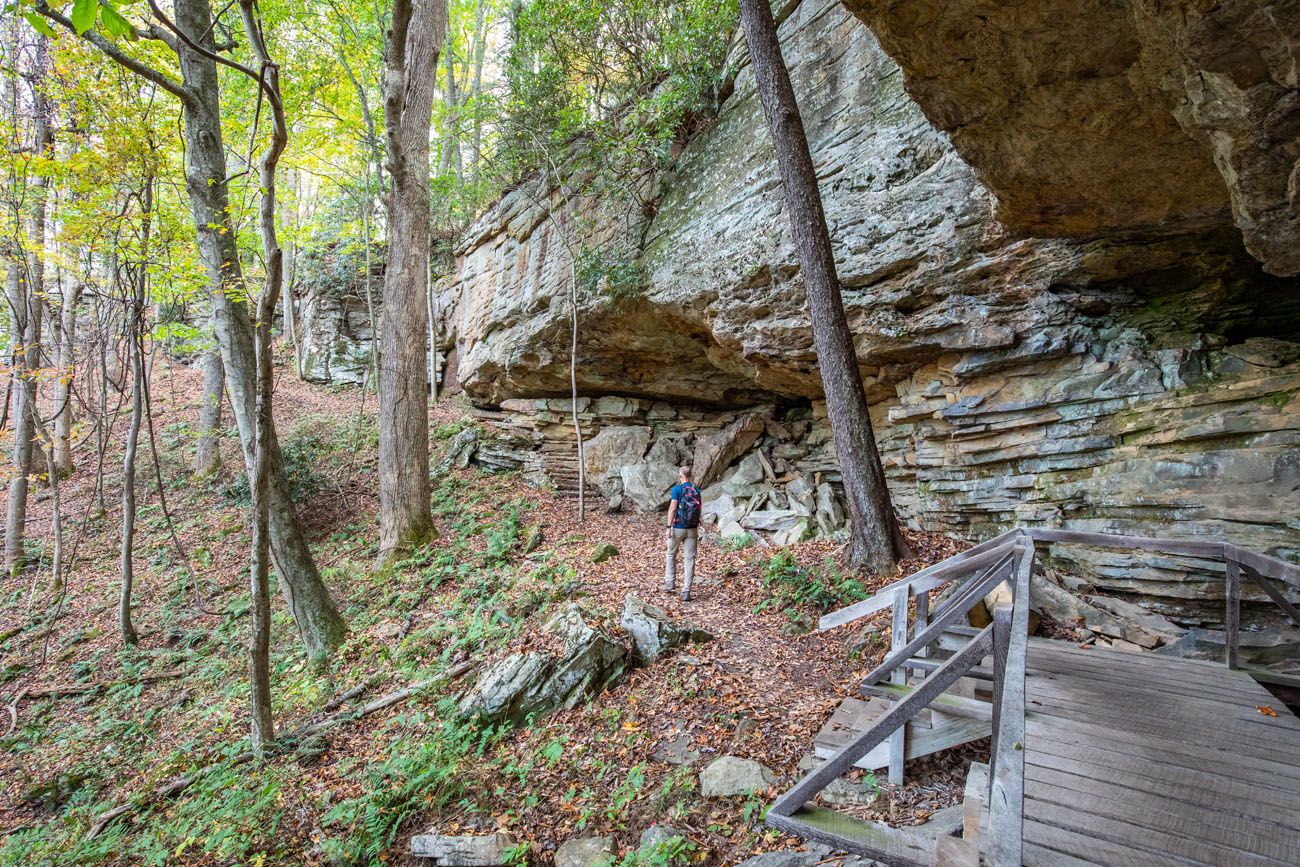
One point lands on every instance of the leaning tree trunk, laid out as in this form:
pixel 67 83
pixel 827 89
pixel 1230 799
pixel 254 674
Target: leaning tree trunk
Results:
pixel 877 543
pixel 318 620
pixel 412 53
pixel 207 447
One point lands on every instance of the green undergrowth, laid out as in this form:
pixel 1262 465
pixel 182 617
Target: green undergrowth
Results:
pixel 797 589
pixel 466 595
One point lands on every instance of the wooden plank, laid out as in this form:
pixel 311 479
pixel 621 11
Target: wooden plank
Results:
pixel 957 564
pixel 1271 567
pixel 920 742
pixel 1052 846
pixel 1186 791
pixel 1085 688
pixel 957 705
pixel 899 846
pixel 1263 675
pixel 1126 844
pixel 1085 677
pixel 1232 614
pixel 1274 594
pixel 955 852
pixel 898 640
pixel 1162 714
pixel 1145 670
pixel 961 599
pixel 922 619
pixel 1184 547
pixel 1259 741
pixel 1162 770
pixel 1007 770
pixel 1262 764
pixel 956 608
pixel 1140 829
pixel 974 801
pixel 919 697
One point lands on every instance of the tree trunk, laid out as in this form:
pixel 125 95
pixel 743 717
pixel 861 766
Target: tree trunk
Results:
pixel 207 447
pixel 136 312
pixel 66 363
pixel 26 288
pixel 476 90
pixel 876 542
pixel 259 649
pixel 415 37
pixel 319 623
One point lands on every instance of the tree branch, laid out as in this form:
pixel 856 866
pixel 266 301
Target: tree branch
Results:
pixel 166 82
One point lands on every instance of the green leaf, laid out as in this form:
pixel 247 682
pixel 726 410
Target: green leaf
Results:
pixel 114 23
pixel 39 24
pixel 83 15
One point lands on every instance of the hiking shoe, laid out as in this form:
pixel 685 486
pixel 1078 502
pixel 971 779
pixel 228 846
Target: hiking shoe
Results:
pixel 686 597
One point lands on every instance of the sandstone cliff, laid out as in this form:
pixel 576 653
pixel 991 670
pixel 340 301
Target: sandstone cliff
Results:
pixel 1142 379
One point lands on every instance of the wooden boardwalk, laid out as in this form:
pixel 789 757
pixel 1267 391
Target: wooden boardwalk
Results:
pixel 1142 759
pixel 1098 756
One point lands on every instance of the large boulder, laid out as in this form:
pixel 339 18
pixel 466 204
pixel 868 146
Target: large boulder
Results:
pixel 732 775
pixel 585 852
pixel 647 484
pixel 489 850
pixel 652 633
pixel 609 451
pixel 537 682
pixel 715 453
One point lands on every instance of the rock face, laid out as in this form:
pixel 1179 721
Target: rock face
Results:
pixel 537 682
pixel 1143 380
pixel 334 323
pixel 1088 116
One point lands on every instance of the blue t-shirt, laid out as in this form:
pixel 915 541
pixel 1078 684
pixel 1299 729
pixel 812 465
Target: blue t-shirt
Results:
pixel 676 496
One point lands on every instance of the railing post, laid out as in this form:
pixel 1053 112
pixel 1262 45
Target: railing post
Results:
pixel 898 740
pixel 922 618
pixel 1232 614
pixel 1001 642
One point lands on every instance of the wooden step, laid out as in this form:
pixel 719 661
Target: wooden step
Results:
pixel 926 733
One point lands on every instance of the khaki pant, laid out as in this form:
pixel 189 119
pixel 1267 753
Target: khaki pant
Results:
pixel 684 539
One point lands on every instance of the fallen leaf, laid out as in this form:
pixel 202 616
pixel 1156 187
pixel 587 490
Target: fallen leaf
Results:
pixel 1266 709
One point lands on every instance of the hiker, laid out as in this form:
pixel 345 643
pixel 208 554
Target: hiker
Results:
pixel 683 528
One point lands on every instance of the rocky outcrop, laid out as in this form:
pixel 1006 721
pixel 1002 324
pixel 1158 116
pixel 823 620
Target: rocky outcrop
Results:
pixel 580 664
pixel 334 321
pixel 1091 116
pixel 1140 380
pixel 652 633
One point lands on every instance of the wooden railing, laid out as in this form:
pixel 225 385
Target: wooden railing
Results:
pixel 973 574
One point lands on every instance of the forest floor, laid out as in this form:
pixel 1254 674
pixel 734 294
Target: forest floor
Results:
pixel 96 724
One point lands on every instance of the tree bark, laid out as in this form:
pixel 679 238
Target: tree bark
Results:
pixel 66 363
pixel 26 288
pixel 207 447
pixel 259 648
pixel 319 623
pixel 414 39
pixel 134 315
pixel 876 541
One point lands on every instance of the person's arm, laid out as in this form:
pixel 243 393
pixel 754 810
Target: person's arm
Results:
pixel 672 513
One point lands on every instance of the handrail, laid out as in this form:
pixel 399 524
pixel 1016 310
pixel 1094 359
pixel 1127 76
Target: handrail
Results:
pixel 952 567
pixel 952 670
pixel 1007 762
pixel 977 571
pixel 975 592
